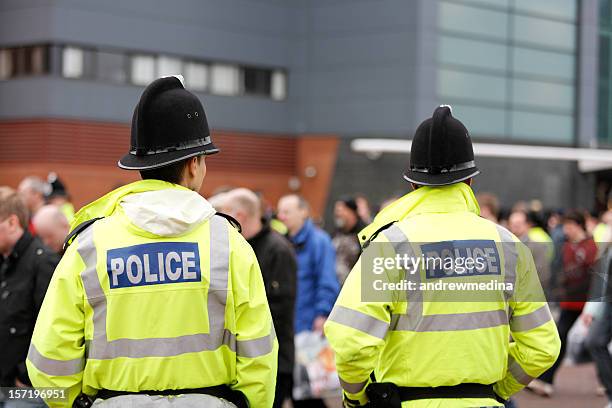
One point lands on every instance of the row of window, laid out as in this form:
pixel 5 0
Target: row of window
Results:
pixel 510 61
pixel 140 69
pixel 506 26
pixel 604 114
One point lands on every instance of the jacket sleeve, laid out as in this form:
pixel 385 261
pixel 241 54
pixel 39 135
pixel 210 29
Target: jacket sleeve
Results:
pixel 536 342
pixel 356 328
pixel 327 287
pixel 57 351
pixel 256 343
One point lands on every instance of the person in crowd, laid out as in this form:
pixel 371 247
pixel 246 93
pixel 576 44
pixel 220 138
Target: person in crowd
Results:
pixel 32 190
pixel 278 267
pixel 26 267
pixel 597 316
pixel 51 226
pixel 58 195
pixel 555 230
pixel 317 286
pixel 363 208
pixel 489 206
pixel 579 258
pixel 519 225
pixel 345 240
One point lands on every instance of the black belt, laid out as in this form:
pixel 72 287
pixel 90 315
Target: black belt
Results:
pixel 389 395
pixel 220 391
pixel 466 390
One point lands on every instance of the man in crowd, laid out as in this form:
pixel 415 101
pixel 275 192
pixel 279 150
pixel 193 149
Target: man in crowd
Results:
pixel 51 227
pixel 519 225
pixel 278 268
pixel 345 240
pixel 317 286
pixel 33 190
pixel 26 267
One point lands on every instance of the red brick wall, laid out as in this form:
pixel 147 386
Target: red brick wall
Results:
pixel 85 153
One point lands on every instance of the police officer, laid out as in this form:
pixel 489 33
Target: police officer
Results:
pixel 157 296
pixel 440 347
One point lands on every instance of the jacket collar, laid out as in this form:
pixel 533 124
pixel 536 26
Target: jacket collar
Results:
pixel 21 245
pixel 457 197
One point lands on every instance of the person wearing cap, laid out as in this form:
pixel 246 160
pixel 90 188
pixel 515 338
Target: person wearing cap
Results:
pixel 425 344
pixel 158 300
pixel 58 196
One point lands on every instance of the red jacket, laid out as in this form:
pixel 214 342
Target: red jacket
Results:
pixel 578 262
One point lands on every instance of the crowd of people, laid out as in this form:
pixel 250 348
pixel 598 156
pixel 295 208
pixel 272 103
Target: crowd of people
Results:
pixel 304 266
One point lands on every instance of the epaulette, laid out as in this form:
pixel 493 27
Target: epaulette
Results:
pixel 231 220
pixel 79 228
pixel 375 234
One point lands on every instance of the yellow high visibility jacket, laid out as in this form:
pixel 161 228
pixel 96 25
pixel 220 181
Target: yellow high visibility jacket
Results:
pixel 441 336
pixel 161 294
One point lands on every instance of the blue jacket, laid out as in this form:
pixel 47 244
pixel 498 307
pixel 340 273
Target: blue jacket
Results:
pixel 317 286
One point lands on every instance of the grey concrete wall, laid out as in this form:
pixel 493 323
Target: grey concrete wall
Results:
pixel 245 31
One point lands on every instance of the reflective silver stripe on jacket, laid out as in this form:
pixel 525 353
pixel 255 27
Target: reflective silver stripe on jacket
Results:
pixel 530 320
pixel 55 367
pixel 102 349
pixel 359 321
pixel 517 372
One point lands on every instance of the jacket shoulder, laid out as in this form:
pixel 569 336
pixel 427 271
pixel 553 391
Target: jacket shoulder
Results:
pixel 77 230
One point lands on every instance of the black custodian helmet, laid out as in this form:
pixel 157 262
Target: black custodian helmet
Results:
pixel 441 151
pixel 168 125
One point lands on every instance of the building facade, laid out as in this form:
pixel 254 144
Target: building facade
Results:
pixel 289 85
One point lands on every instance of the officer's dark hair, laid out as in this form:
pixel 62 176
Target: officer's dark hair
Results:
pixel 172 173
pixel 576 217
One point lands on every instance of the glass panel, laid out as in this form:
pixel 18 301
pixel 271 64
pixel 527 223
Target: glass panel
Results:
pixel 603 130
pixel 543 94
pixel 225 79
pixel 257 81
pixel 500 4
pixel 72 62
pixel 554 64
pixel 167 66
pixel 544 32
pixel 38 60
pixel 542 127
pixel 473 20
pixel 604 12
pixel 6 63
pixel 279 85
pixel 466 86
pixel 481 122
pixel 111 67
pixel 142 69
pixel 196 76
pixel 555 8
pixel 604 57
pixel 472 53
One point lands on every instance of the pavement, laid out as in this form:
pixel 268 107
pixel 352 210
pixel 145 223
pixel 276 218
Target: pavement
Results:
pixel 575 387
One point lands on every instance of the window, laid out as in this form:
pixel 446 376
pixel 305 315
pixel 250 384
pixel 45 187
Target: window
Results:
pixel 543 95
pixel 543 63
pixel 6 63
pixel 542 127
pixel 73 62
pixel 564 9
pixel 111 67
pixel 196 76
pixel 469 86
pixel 478 54
pixel 473 20
pixel 167 66
pixel 543 32
pixel 225 79
pixel 257 81
pixel 482 122
pixel 142 70
pixel 279 85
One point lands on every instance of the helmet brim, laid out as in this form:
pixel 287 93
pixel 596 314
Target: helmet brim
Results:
pixel 154 161
pixel 442 179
